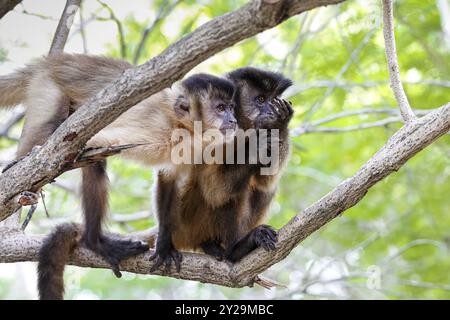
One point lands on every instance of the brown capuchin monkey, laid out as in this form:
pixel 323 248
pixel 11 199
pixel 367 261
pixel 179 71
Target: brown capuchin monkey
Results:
pixel 214 207
pixel 55 86
pixel 219 207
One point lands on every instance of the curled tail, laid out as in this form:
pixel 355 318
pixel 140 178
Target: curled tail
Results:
pixel 52 258
pixel 13 87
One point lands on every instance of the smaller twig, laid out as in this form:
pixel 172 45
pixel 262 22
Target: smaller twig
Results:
pixel 313 129
pixel 43 202
pixel 83 30
pixel 391 54
pixel 163 12
pixel 315 126
pixel 63 28
pixel 37 15
pixel 345 84
pixel 268 283
pixel 15 117
pixel 410 245
pixel 113 17
pixel 354 56
pixel 29 216
pixel 124 218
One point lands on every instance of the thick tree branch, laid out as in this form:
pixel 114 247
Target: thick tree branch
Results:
pixel 42 165
pixel 408 141
pixel 391 54
pixel 7 5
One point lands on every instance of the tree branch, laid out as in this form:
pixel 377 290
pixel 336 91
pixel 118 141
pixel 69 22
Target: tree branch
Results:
pixel 408 141
pixel 163 12
pixel 43 164
pixel 391 54
pixel 63 28
pixel 113 17
pixel 7 5
pixel 315 126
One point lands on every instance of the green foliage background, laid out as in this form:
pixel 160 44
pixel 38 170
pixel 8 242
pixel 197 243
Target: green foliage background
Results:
pixel 395 243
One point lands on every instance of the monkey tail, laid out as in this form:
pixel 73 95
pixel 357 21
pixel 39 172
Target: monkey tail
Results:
pixel 52 258
pixel 13 87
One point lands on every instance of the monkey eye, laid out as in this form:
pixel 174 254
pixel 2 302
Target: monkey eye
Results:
pixel 260 99
pixel 221 107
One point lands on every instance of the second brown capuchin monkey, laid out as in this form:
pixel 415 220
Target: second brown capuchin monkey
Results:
pixel 55 86
pixel 219 207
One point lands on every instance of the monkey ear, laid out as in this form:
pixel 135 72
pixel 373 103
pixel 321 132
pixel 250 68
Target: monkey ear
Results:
pixel 181 106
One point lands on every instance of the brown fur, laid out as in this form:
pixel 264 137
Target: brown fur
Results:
pixel 53 255
pixel 218 208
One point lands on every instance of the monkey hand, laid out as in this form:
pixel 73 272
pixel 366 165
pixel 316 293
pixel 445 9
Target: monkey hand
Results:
pixel 164 254
pixel 114 250
pixel 277 117
pixel 284 111
pixel 265 236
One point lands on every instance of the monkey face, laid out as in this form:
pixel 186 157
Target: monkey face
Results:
pixel 258 91
pixel 264 110
pixel 220 115
pixel 211 100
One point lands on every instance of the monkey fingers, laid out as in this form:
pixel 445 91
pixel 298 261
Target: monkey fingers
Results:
pixel 289 108
pixel 283 109
pixel 266 237
pixel 166 258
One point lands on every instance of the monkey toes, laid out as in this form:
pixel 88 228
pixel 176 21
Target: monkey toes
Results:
pixel 115 250
pixel 266 237
pixel 165 256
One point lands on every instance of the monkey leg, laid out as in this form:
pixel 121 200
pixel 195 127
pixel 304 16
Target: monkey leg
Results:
pixel 214 249
pixel 46 108
pixel 95 205
pixel 166 197
pixel 262 236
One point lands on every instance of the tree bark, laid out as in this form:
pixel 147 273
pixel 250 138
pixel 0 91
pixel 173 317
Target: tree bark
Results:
pixel 7 5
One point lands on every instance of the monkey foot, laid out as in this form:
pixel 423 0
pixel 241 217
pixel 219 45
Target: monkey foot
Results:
pixel 265 236
pixel 165 256
pixel 214 249
pixel 115 250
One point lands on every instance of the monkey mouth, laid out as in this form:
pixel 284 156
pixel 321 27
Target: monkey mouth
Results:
pixel 230 129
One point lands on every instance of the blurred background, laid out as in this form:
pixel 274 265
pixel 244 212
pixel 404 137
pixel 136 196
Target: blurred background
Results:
pixel 393 245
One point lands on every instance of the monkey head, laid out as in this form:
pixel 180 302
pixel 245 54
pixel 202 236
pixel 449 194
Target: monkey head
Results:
pixel 208 99
pixel 257 98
